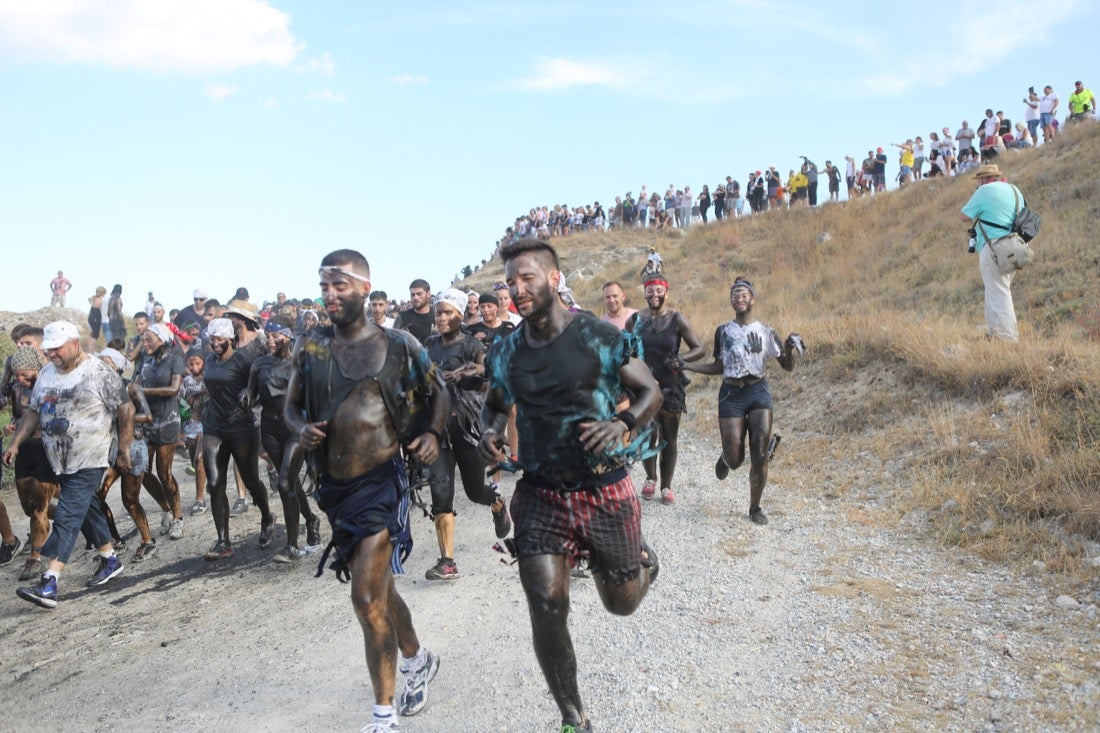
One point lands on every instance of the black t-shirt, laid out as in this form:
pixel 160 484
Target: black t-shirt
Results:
pixel 557 386
pixel 272 381
pixel 158 372
pixel 489 336
pixel 419 325
pixel 224 381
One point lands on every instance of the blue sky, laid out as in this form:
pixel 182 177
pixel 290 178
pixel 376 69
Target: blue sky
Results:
pixel 173 144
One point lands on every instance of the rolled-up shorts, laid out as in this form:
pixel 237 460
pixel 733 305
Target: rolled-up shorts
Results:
pixel 740 401
pixel 602 524
pixel 139 457
pixel 363 506
pixel 32 462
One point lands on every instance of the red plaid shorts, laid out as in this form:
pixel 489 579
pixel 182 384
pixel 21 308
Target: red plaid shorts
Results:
pixel 602 524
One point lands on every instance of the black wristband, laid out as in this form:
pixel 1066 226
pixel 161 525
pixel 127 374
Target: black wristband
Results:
pixel 627 418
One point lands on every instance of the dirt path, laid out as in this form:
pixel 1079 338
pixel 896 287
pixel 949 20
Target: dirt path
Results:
pixel 827 619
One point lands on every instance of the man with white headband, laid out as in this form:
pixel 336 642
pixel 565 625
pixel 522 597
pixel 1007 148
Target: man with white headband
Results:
pixel 358 393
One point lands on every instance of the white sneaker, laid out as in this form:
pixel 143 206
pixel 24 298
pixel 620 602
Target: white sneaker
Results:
pixel 387 725
pixel 176 531
pixel 165 522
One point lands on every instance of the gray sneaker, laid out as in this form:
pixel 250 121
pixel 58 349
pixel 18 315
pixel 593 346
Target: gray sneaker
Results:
pixel 32 568
pixel 240 506
pixel 415 695
pixel 198 508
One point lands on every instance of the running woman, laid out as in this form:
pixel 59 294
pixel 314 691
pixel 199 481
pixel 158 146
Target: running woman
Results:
pixel 268 381
pixel 742 347
pixel 662 332
pixel 228 430
pixel 460 360
pixel 160 379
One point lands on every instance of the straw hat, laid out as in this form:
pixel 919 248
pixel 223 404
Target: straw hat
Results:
pixel 989 170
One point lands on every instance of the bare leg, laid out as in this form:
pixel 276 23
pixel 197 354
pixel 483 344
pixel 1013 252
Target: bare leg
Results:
pixel 545 581
pixel 382 614
pixel 732 430
pixel 164 456
pixel 131 493
pixel 670 432
pixel 760 432
pixel 6 533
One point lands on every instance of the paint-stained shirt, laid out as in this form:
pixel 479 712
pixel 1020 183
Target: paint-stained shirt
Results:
pixel 76 413
pixel 740 357
pixel 558 385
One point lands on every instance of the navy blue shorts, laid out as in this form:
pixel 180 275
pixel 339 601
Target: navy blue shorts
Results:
pixel 740 401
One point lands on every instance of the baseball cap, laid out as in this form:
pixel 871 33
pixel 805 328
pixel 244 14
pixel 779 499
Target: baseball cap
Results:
pixel 55 334
pixel 200 293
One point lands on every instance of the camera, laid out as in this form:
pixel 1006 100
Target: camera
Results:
pixel 973 240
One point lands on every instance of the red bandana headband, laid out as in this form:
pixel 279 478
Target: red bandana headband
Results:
pixel 656 280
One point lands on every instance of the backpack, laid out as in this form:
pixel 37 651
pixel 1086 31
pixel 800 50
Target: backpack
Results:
pixel 1025 223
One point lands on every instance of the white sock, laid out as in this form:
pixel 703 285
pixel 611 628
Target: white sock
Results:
pixel 383 712
pixel 50 574
pixel 107 555
pixel 408 664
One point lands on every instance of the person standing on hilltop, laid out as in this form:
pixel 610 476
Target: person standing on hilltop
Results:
pixel 742 347
pixel 357 394
pixel 564 372
pixel 58 287
pixel 991 212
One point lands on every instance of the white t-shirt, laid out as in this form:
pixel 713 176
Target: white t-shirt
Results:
pixel 1046 104
pixel 731 342
pixel 1031 113
pixel 76 412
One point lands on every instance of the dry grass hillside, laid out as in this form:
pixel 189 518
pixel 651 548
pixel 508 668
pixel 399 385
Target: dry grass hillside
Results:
pixel 890 304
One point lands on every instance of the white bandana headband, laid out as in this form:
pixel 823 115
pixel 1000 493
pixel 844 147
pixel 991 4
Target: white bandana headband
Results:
pixel 338 270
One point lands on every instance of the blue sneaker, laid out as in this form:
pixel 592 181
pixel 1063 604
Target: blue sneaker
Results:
pixel 44 593
pixel 108 568
pixel 415 695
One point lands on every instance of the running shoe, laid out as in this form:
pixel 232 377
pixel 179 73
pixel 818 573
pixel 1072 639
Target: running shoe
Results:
pixel 267 533
pixel 9 551
pixel 240 506
pixel 165 522
pixel 176 531
pixel 32 568
pixel 220 550
pixel 773 444
pixel 502 521
pixel 721 470
pixel 381 725
pixel 144 551
pixel 26 546
pixel 667 497
pixel 198 508
pixel 313 531
pixel 445 569
pixel 757 516
pixel 576 727
pixel 43 593
pixel 288 555
pixel 189 470
pixel 415 695
pixel 649 489
pixel 108 568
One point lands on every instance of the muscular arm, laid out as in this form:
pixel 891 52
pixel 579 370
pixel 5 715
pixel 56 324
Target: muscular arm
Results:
pixel 142 413
pixel 695 350
pixel 124 418
pixel 636 377
pixel 310 434
pixel 494 421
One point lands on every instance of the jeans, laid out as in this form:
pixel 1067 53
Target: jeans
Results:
pixel 77 507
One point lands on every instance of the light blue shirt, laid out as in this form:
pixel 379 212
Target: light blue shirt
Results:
pixel 993 202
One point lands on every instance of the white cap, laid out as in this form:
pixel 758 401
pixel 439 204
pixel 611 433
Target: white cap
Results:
pixel 162 332
pixel 454 298
pixel 55 334
pixel 220 327
pixel 200 293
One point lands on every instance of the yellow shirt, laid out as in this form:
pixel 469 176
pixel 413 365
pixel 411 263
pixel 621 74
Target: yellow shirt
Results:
pixel 907 157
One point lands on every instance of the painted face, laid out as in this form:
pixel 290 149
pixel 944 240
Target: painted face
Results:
pixel 344 297
pixel 195 365
pixel 278 344
pixel 151 342
pixel 530 285
pixel 742 300
pixel 655 295
pixel 220 346
pixel 488 312
pixel 613 298
pixel 26 377
pixel 447 319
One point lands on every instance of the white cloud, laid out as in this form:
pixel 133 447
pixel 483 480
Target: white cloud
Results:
pixel 324 64
pixel 271 103
pixel 561 73
pixel 409 80
pixel 220 92
pixel 188 36
pixel 327 95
